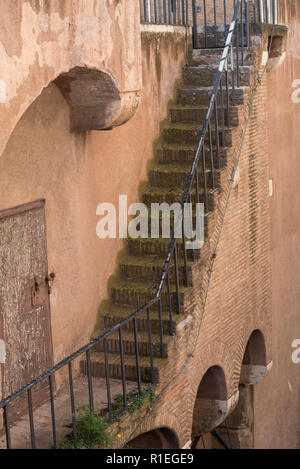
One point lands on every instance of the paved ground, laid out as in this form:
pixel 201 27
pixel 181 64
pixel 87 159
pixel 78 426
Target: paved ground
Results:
pixel 20 431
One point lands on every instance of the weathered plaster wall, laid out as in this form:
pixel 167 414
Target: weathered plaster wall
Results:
pixel 39 40
pixel 75 172
pixel 277 398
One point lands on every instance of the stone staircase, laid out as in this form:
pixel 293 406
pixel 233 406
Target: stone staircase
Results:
pixel 140 268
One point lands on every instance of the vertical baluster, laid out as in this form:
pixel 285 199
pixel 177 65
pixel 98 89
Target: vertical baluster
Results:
pixel 174 11
pixel 150 344
pixel 195 33
pixel 222 110
pixel 227 93
pixel 247 12
pixel 155 11
pixel 30 411
pixel 145 11
pixel 205 24
pixel 123 367
pixel 52 412
pixel 176 279
pixel 267 11
pixel 186 12
pixel 204 178
pixel 191 215
pixel 161 332
pixel 7 429
pixel 184 248
pixel 90 383
pixel 165 11
pixel 217 132
pixel 225 21
pixel 215 24
pixel 232 74
pixel 107 377
pixel 183 13
pixel 137 357
pixel 197 185
pixel 171 332
pixel 237 53
pixel 169 12
pixel 159 12
pixel 211 161
pixel 242 31
pixel 73 409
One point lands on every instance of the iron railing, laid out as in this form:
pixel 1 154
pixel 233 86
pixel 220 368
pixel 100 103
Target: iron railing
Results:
pixel 168 296
pixel 210 19
pixel 175 12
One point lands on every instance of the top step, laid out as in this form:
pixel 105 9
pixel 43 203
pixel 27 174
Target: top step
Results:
pixel 213 56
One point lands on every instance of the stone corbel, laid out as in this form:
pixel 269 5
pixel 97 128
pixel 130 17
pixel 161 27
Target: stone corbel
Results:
pixel 95 100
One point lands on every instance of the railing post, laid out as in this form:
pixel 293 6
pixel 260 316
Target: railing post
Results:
pixel 194 24
pixel 7 429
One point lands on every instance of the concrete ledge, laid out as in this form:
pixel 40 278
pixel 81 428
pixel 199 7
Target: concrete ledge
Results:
pixel 165 28
pixel 210 413
pixel 252 374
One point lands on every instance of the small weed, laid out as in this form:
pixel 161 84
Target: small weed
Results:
pixel 91 430
pixel 134 400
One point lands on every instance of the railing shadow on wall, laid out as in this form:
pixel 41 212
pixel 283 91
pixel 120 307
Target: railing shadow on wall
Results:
pixel 224 94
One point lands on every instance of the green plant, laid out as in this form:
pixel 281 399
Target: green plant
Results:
pixel 134 400
pixel 91 430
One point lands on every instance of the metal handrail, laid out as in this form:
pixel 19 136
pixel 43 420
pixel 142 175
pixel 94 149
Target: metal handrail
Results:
pixel 172 12
pixel 220 95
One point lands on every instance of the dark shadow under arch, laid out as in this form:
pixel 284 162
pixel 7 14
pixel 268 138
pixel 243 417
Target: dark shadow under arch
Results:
pixel 160 438
pixel 255 353
pixel 213 384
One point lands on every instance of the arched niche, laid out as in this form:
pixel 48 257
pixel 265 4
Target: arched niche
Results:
pixel 212 404
pixel 254 366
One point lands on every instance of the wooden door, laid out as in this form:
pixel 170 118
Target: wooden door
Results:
pixel 24 296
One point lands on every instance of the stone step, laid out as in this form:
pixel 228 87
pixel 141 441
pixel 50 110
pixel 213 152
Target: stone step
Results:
pixel 158 195
pixel 116 314
pixel 213 56
pixel 198 113
pixel 115 368
pixel 136 294
pixel 173 153
pixel 157 247
pixel 190 133
pixel 200 96
pixel 149 269
pixel 212 40
pixel 205 75
pixel 113 344
pixel 154 222
pixel 176 176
